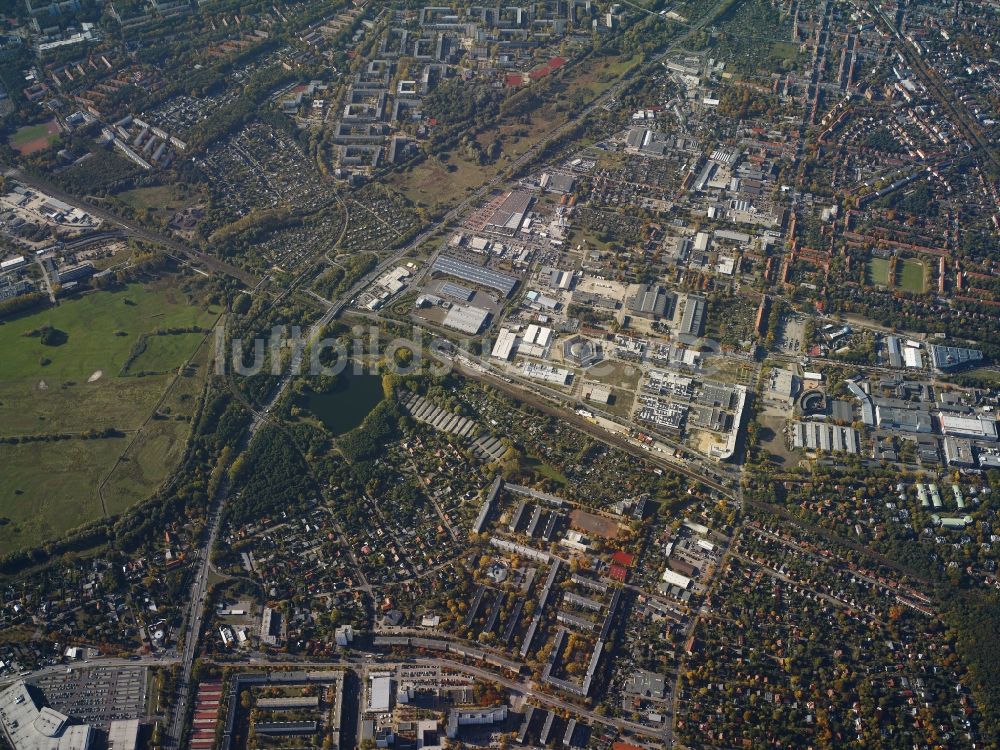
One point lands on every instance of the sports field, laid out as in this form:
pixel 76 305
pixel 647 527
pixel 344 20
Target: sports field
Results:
pixel 74 386
pixel 877 272
pixel 32 138
pixel 910 276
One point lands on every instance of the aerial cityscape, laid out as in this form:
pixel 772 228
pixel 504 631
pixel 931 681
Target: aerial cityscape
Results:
pixel 552 374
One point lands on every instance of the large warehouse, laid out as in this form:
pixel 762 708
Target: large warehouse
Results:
pixel 509 215
pixel 652 301
pixel 693 320
pixel 904 420
pixel 945 358
pixel 975 428
pixel 379 689
pixel 504 347
pixel 466 318
pixel 486 277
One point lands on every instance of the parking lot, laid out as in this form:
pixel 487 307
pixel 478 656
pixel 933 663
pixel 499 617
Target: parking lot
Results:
pixel 791 334
pixel 97 696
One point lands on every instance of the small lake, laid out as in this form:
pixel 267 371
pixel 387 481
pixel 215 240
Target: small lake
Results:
pixel 346 407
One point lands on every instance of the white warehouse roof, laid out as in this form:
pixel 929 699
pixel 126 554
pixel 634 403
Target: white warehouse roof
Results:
pixel 378 693
pixel 466 318
pixel 676 579
pixel 504 347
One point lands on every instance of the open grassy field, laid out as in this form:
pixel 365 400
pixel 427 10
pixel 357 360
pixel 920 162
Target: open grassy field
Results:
pixel 877 272
pixel 433 183
pixel 100 331
pixel 64 408
pixel 910 276
pixel 50 488
pixel 53 389
pixel 985 374
pixel 596 75
pixel 159 444
pixel 161 200
pixel 546 470
pixel 588 239
pixel 621 375
pixel 164 353
pixel 144 465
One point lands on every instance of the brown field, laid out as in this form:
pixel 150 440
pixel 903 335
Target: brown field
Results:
pixel 595 525
pixel 432 184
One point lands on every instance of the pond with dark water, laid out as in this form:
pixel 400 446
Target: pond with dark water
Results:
pixel 345 407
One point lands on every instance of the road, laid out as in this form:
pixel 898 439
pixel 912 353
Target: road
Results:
pixel 521 686
pixel 598 432
pixel 178 250
pixel 195 608
pixel 965 121
pixel 146 661
pixel 195 615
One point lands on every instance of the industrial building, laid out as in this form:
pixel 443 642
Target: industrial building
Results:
pixel 653 302
pixel 599 394
pixel 904 420
pixel 557 182
pixel 75 273
pixel 675 579
pixel 783 385
pixel 912 357
pixel 867 407
pixel 555 375
pixel 894 352
pixel 555 278
pixel 456 291
pixel 379 691
pixel 581 351
pixel 820 436
pixel 504 346
pixel 466 318
pixel 946 358
pixel 647 684
pixel 535 341
pixel 974 428
pixel 486 277
pixel 509 215
pixel 958 452
pixel 123 735
pixel 693 320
